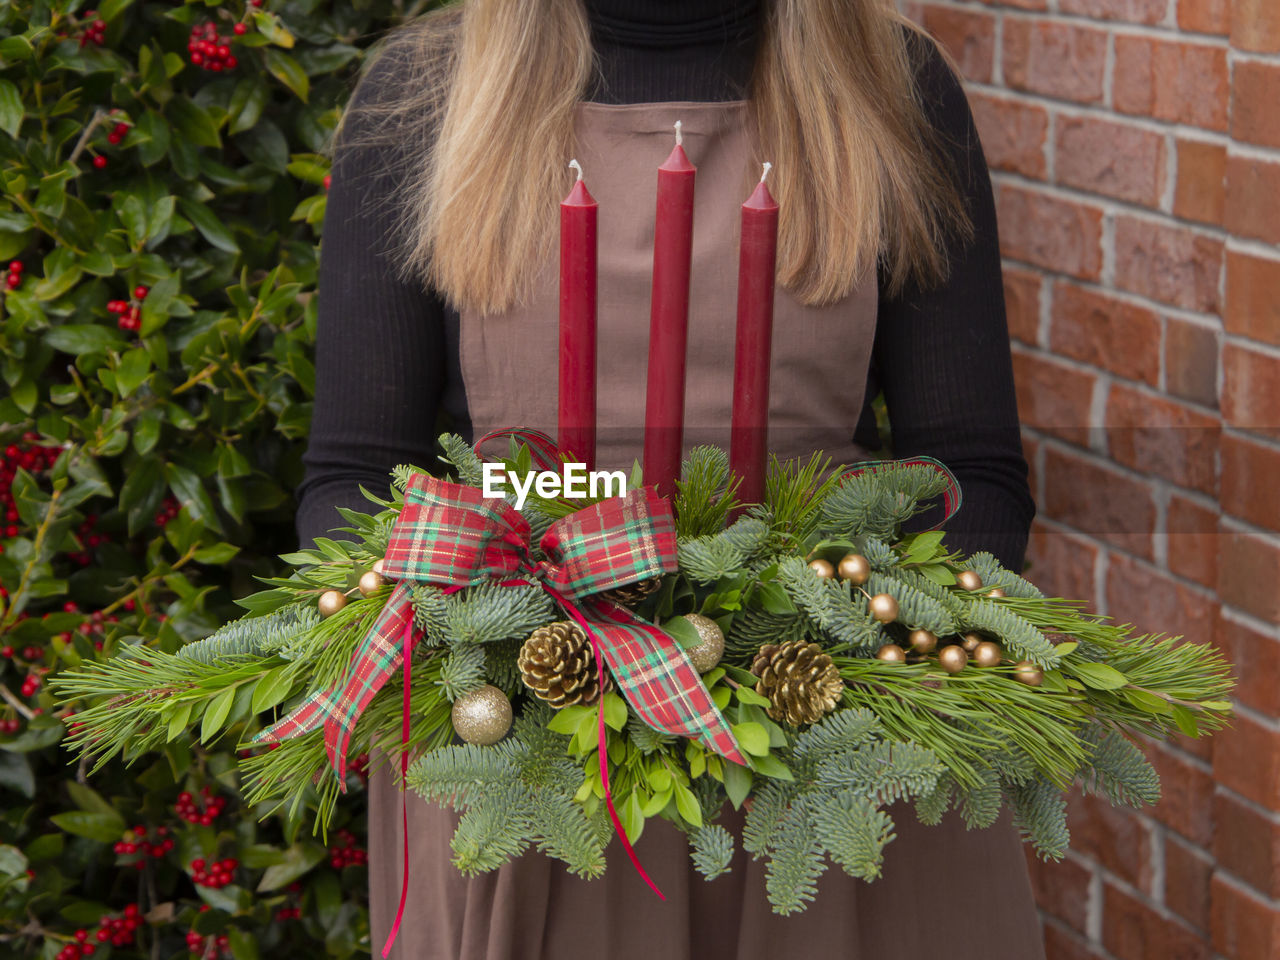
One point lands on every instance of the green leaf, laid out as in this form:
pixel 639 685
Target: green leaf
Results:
pixel 1062 649
pixel 216 714
pixel 737 783
pixel 687 805
pixel 771 766
pixel 567 719
pixel 178 721
pixel 209 225
pixel 11 109
pixel 289 72
pixel 1100 676
pixel 1186 720
pixel 82 338
pixel 747 695
pixel 752 738
pixel 193 123
pixel 272 689
pixel 615 711
pixel 217 554
pixel 684 632
pixel 134 367
pixel 269 26
pixel 298 859
pixel 190 492
pixel 103 827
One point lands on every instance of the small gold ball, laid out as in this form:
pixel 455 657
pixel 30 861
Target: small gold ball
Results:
pixel 482 716
pixel 1029 673
pixel 710 647
pixel 883 607
pixel 923 641
pixel 854 568
pixel 970 641
pixel 891 653
pixel 987 654
pixel 822 568
pixel 996 592
pixel 952 658
pixel 969 580
pixel 331 601
pixel 378 567
pixel 370 582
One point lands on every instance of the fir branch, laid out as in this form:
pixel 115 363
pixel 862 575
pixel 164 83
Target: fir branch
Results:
pixel 461 456
pixel 792 872
pixel 253 636
pixel 931 807
pixel 707 559
pixel 711 850
pixel 463 669
pixel 1040 812
pixel 1019 636
pixel 916 609
pixel 853 830
pixel 769 807
pixel 829 607
pixel 704 493
pixel 993 574
pixel 490 611
pixel 752 627
pixel 1118 769
pixel 980 805
pixel 883 771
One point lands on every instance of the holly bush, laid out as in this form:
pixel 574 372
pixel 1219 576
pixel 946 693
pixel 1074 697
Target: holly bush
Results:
pixel 164 172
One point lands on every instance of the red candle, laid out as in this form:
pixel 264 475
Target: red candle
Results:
pixel 757 261
pixel 669 321
pixel 577 414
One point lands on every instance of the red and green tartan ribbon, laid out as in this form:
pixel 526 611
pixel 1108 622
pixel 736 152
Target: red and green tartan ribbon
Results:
pixel 951 498
pixel 451 535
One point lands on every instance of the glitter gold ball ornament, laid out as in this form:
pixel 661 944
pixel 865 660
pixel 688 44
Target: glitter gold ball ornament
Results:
pixel 969 580
pixel 370 581
pixel 923 641
pixel 970 641
pixel 331 601
pixel 1029 673
pixel 799 679
pixel 377 567
pixel 883 607
pixel 556 663
pixel 987 654
pixel 482 716
pixel 891 653
pixel 822 568
pixel 952 658
pixel 710 646
pixel 854 568
pixel 996 592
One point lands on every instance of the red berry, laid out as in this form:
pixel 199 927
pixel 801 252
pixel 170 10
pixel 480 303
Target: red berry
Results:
pixel 239 29
pixel 16 266
pixel 140 292
pixel 99 161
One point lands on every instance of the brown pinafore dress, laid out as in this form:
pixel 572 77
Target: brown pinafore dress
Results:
pixel 945 891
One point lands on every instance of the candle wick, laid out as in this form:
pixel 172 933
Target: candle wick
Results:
pixel 575 165
pixel 679 135
pixel 767 167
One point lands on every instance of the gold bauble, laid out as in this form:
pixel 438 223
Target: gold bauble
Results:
pixel 923 641
pixel 482 716
pixel 987 654
pixel 891 653
pixel 971 640
pixel 710 647
pixel 822 568
pixel 377 567
pixel 331 601
pixel 996 592
pixel 1029 673
pixel 854 568
pixel 883 607
pixel 952 658
pixel 969 580
pixel 370 582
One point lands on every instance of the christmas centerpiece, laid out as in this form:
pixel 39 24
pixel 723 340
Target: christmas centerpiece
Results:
pixel 563 661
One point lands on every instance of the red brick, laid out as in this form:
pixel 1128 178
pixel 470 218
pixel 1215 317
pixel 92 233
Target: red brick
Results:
pixel 1061 565
pixel 1134 11
pixel 1243 927
pixel 1170 263
pixel 1052 396
pixel 1061 888
pixel 1246 844
pixel 1253 199
pixel 1022 303
pixel 1131 930
pixel 1205 16
pixel 1255 91
pixel 1013 133
pixel 1055 59
pixel 968 35
pixel 1255 26
pixel 1201 189
pixel 1246 759
pixel 1152 434
pixel 1249 472
pixel 1251 390
pixel 1100 330
pixel 1253 297
pixel 1186 796
pixel 1114 159
pixel 1186 882
pixel 1059 235
pixel 1154 602
pixel 1191 361
pixel 1168 80
pixel 1250 570
pixel 1255 665
pixel 1113 836
pixel 1193 540
pixel 1062 944
pixel 1100 501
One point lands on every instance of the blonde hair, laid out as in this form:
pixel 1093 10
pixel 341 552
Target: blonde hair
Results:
pixel 833 103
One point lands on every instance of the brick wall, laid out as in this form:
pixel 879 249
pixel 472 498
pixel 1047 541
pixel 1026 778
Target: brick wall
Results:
pixel 1135 151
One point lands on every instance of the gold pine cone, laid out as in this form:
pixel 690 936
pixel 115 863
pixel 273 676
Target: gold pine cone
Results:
pixel 632 593
pixel 557 665
pixel 799 679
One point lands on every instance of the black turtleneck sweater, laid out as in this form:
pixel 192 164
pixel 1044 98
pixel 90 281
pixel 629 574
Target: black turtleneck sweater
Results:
pixel 387 353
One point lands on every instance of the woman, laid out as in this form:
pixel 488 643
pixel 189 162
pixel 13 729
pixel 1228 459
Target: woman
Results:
pixel 438 308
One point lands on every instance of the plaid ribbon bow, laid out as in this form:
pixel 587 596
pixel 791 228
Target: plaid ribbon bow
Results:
pixel 451 535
